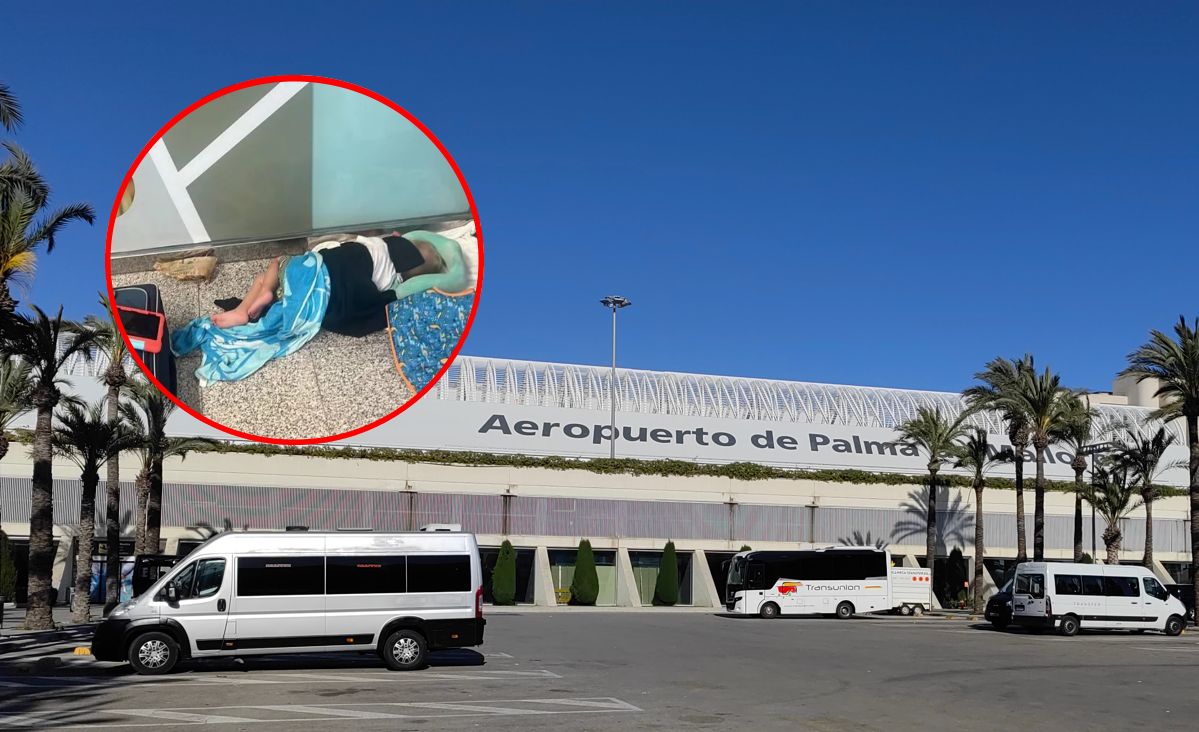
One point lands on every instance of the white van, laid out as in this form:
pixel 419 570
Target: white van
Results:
pixel 246 593
pixel 1071 596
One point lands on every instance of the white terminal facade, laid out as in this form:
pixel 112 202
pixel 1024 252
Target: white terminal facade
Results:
pixel 513 407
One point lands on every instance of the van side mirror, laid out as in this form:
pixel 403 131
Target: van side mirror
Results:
pixel 172 593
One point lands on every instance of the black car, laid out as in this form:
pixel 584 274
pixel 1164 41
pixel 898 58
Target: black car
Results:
pixel 999 607
pixel 1186 593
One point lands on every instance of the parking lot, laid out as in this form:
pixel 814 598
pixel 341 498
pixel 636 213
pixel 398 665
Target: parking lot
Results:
pixel 663 670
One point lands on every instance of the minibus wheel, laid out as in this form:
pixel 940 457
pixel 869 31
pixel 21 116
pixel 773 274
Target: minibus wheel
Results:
pixel 404 650
pixel 1174 625
pixel 153 653
pixel 769 611
pixel 905 610
pixel 845 610
pixel 1068 626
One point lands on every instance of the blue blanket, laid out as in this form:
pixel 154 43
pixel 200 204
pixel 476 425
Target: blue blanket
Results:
pixel 232 354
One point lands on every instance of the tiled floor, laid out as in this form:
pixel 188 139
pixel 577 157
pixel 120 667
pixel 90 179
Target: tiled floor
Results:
pixel 333 384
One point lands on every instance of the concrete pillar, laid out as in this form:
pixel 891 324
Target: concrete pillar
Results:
pixel 63 572
pixel 172 547
pixel 1159 570
pixel 626 583
pixel 543 579
pixel 703 587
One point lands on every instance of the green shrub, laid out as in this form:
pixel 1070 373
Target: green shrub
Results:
pixel 745 548
pixel 1087 559
pixel 8 570
pixel 584 588
pixel 503 577
pixel 666 591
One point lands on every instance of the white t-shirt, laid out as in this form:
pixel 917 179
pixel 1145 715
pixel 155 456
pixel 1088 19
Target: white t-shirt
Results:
pixel 383 271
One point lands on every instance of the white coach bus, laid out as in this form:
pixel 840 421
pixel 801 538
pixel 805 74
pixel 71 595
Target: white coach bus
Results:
pixel 244 593
pixel 837 581
pixel 1071 597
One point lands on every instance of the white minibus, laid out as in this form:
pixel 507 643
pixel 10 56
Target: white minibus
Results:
pixel 1072 596
pixel 243 593
pixel 837 581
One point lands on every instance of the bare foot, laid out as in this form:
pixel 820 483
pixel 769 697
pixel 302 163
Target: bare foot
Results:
pixel 231 318
pixel 259 303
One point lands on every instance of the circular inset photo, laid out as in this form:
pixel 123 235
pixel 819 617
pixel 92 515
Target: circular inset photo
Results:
pixel 294 259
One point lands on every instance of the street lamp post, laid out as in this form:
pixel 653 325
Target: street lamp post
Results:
pixel 614 303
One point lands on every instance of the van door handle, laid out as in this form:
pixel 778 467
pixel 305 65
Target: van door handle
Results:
pixel 220 606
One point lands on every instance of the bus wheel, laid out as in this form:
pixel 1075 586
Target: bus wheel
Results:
pixel 845 610
pixel 153 653
pixel 404 650
pixel 905 610
pixel 1068 626
pixel 769 611
pixel 1174 625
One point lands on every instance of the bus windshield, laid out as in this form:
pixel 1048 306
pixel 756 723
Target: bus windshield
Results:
pixel 737 572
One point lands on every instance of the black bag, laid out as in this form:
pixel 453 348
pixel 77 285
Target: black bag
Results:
pixel 146 297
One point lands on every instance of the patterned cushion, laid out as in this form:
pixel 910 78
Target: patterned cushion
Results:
pixel 424 330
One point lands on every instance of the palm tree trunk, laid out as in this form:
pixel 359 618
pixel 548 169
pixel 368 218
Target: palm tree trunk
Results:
pixel 1111 539
pixel 3 444
pixel 112 512
pixel 143 497
pixel 154 508
pixel 1148 559
pixel 1021 543
pixel 930 542
pixel 1193 441
pixel 39 615
pixel 85 540
pixel 1038 511
pixel 978 546
pixel 8 306
pixel 1078 489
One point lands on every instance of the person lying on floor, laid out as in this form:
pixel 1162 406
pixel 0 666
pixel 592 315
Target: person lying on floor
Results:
pixel 341 286
pixel 365 273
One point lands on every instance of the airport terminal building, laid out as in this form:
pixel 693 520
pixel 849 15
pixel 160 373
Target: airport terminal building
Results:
pixel 503 407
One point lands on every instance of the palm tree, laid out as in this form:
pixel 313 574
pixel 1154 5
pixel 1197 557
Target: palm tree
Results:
pixel 109 339
pixel 933 433
pixel 975 455
pixel 1078 431
pixel 16 395
pixel 1000 380
pixel 147 416
pixel 45 344
pixel 88 440
pixel 1175 366
pixel 24 195
pixel 1141 455
pixel 1113 497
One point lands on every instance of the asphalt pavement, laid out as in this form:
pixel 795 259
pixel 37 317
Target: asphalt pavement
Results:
pixel 654 670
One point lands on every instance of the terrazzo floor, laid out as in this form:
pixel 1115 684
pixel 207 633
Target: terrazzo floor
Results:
pixel 333 384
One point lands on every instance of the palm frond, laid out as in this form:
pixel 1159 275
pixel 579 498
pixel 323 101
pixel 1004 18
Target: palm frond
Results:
pixel 10 109
pixel 49 228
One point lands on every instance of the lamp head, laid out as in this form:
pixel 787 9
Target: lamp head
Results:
pixel 615 302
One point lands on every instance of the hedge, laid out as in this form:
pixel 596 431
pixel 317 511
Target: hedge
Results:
pixel 666 591
pixel 584 587
pixel 619 466
pixel 503 576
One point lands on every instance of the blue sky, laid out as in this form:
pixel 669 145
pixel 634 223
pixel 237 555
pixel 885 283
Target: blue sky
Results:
pixel 868 193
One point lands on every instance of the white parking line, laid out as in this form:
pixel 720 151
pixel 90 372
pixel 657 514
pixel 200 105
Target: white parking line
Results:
pixel 278 677
pixel 323 713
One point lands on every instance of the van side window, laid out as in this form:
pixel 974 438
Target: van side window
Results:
pixel 1092 585
pixel 272 576
pixel 1153 588
pixel 430 573
pixel 209 574
pixel 1067 584
pixel 1121 587
pixel 366 575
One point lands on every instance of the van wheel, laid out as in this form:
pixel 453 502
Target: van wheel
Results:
pixel 905 610
pixel 917 610
pixel 770 611
pixel 1068 626
pixel 404 650
pixel 1174 625
pixel 153 653
pixel 845 610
